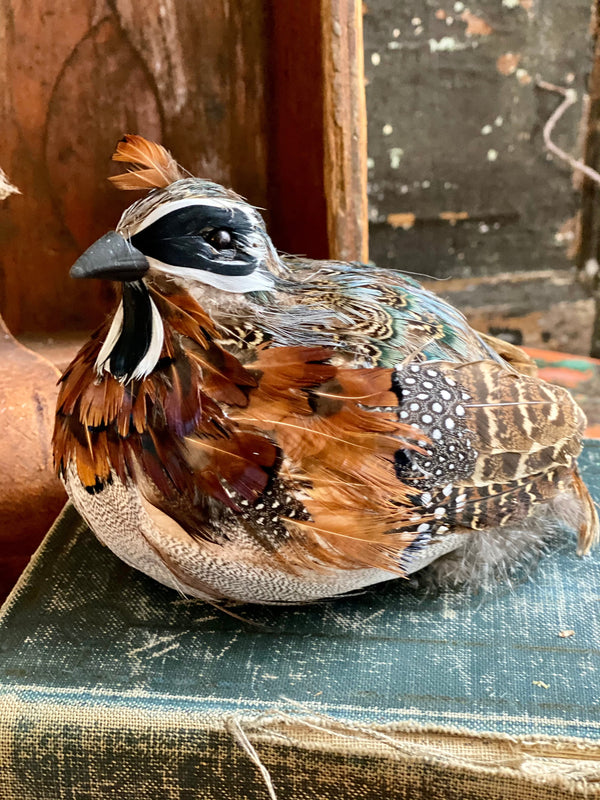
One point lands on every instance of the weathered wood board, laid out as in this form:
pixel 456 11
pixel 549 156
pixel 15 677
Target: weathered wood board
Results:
pixel 460 184
pixel 74 77
pixel 266 98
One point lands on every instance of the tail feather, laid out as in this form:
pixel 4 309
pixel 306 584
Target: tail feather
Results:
pixel 589 527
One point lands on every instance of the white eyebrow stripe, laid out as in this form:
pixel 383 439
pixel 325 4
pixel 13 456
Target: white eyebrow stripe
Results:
pixel 257 281
pixel 173 205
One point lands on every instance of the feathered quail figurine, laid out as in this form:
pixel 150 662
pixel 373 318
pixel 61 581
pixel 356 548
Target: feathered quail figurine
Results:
pixel 259 428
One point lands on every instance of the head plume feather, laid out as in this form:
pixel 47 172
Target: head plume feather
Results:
pixel 152 166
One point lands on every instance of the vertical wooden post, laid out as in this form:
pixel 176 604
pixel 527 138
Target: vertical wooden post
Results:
pixel 345 130
pixel 588 241
pixel 317 117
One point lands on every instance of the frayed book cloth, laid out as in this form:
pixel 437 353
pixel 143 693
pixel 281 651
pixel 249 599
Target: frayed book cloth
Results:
pixel 112 686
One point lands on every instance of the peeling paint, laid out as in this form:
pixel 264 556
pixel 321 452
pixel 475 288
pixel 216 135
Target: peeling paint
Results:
pixel 446 44
pixel 396 154
pixel 476 26
pixel 403 220
pixel 507 63
pixel 453 216
pixel 523 77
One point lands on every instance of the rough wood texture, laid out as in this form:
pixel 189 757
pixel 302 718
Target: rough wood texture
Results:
pixel 587 245
pixel 30 494
pixel 540 309
pixel 460 184
pixel 73 78
pixel 587 251
pixel 317 161
pixel 234 89
pixel 345 124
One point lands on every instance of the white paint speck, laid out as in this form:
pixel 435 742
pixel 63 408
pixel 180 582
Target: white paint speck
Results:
pixel 426 184
pixel 499 121
pixel 396 33
pixel 416 21
pixel 396 154
pixel 486 130
pixel 370 163
pixel 492 155
pixel 419 30
pixel 458 7
pixel 449 20
pixel 447 44
pixel 511 3
pixel 387 129
pixel 375 59
pixel 394 45
pixel 483 228
pixel 591 267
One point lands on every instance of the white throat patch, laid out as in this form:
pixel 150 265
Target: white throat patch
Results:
pixel 152 355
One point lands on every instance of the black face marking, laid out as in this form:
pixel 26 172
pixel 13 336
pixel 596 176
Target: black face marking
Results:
pixel 136 333
pixel 199 237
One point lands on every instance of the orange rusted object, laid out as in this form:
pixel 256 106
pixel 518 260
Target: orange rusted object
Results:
pixel 30 494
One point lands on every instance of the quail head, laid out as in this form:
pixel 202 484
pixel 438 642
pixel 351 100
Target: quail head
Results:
pixel 253 427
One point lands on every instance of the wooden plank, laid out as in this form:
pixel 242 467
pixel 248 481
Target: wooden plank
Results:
pixel 317 162
pixel 74 77
pixel 455 133
pixel 540 309
pixel 345 121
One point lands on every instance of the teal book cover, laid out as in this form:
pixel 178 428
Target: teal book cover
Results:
pixel 113 686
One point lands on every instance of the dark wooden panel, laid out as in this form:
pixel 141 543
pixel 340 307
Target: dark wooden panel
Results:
pixel 317 160
pixel 77 75
pixel 460 183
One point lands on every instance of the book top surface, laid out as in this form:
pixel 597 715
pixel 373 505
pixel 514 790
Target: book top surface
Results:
pixel 84 627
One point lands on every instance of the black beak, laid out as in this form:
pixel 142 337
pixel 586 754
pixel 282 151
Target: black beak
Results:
pixel 112 257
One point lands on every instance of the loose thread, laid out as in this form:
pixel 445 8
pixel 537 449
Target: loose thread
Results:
pixel 238 733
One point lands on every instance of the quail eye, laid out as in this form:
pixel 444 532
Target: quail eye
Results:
pixel 220 239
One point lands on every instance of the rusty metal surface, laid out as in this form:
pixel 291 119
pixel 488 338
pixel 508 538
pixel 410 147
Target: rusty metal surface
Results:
pixel 30 494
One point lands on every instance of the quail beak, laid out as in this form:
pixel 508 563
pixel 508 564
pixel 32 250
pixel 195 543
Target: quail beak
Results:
pixel 113 258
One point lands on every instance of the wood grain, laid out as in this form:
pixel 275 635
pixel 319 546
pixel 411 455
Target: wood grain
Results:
pixel 345 116
pixel 73 78
pixel 317 122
